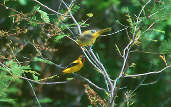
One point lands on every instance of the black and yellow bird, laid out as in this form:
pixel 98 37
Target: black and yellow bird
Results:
pixel 75 66
pixel 88 38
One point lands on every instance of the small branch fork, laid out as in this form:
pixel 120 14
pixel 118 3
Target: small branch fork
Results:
pixel 125 57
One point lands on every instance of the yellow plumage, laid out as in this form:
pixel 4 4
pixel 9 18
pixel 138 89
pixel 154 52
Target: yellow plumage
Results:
pixel 88 38
pixel 75 66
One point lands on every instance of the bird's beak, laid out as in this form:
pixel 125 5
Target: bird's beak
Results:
pixel 82 58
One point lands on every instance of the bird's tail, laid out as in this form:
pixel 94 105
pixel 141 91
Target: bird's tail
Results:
pixel 104 30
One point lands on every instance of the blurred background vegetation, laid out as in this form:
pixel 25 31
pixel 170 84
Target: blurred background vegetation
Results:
pixel 27 29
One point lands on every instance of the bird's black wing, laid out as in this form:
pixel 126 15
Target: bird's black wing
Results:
pixel 71 65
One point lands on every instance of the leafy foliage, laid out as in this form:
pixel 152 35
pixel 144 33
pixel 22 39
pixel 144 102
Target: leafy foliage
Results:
pixel 44 15
pixel 4 90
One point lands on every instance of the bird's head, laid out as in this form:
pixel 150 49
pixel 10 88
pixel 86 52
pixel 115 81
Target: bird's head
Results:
pixel 82 58
pixel 93 31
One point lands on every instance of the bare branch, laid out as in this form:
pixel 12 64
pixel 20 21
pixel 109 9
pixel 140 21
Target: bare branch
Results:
pixel 45 83
pixel 91 83
pixel 34 93
pixel 47 7
pixel 78 26
pixel 125 56
pixel 116 32
pixel 148 73
pixel 106 76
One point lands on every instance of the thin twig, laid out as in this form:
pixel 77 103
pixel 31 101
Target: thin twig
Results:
pixel 47 7
pixel 78 26
pixel 151 83
pixel 58 66
pixel 83 50
pixel 115 32
pixel 125 56
pixel 46 83
pixel 34 93
pixel 94 61
pixel 91 83
pixel 106 76
pixel 148 73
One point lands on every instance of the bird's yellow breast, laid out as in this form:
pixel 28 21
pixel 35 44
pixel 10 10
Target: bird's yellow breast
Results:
pixel 88 38
pixel 74 68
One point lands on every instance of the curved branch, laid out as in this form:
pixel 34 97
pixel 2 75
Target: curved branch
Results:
pixel 91 83
pixel 45 83
pixel 47 7
pixel 148 73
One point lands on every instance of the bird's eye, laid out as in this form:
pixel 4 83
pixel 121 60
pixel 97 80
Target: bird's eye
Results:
pixel 93 31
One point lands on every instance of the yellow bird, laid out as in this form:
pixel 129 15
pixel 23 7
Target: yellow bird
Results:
pixel 74 66
pixel 88 38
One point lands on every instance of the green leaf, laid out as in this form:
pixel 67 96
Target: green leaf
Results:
pixel 45 100
pixel 68 79
pixel 37 67
pixel 36 8
pixel 4 90
pixel 169 21
pixel 43 14
pixel 26 67
pixel 75 8
pixel 13 90
pixel 33 21
pixel 7 100
pixel 3 69
pixel 17 69
pixel 59 37
pixel 130 71
pixel 35 77
pixel 23 2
